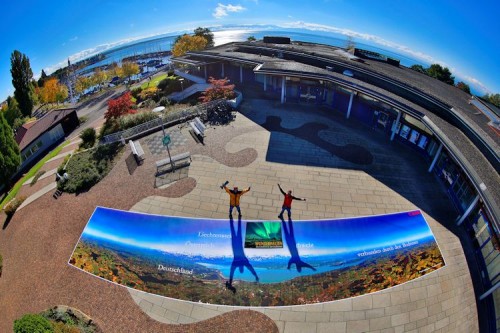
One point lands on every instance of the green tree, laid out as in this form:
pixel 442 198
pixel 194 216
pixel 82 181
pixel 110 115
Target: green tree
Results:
pixel 10 158
pixel 251 39
pixel 32 323
pixel 21 80
pixel 463 86
pixel 442 74
pixel 205 33
pixel 42 79
pixel 419 68
pixel 88 137
pixel 493 99
pixel 12 111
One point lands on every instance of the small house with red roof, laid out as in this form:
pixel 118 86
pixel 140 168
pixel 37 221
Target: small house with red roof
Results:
pixel 35 138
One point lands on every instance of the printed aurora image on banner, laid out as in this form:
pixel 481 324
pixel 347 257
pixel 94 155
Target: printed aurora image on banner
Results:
pixel 263 235
pixel 205 260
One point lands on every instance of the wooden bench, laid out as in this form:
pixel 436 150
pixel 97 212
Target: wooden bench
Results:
pixel 185 158
pixel 137 151
pixel 198 127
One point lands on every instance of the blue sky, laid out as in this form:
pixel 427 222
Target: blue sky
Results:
pixel 212 237
pixel 458 34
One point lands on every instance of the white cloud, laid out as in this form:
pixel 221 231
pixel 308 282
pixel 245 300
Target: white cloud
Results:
pixel 367 37
pixel 88 53
pixel 392 45
pixel 222 10
pixel 481 87
pixel 73 39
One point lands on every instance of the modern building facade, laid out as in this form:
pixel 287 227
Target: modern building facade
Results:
pixel 457 133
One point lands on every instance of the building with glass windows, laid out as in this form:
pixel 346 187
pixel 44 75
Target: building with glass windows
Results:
pixel 455 132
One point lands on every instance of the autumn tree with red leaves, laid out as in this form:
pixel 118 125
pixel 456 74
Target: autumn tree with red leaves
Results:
pixel 219 89
pixel 119 106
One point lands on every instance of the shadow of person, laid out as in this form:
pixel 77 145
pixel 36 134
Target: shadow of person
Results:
pixel 240 260
pixel 292 247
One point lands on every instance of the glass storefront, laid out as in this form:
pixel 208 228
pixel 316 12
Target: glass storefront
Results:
pixel 487 252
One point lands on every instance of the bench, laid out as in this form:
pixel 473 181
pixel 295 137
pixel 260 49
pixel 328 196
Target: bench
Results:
pixel 186 157
pixel 137 151
pixel 198 127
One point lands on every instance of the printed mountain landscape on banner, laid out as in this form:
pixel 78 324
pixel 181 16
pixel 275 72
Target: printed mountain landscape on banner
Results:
pixel 196 259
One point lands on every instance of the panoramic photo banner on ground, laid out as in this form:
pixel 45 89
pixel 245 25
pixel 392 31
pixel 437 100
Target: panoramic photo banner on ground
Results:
pixel 205 260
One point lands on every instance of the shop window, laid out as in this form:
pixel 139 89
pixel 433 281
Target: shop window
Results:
pixel 463 191
pixel 422 142
pixel 487 241
pixel 432 147
pixel 405 131
pixel 414 136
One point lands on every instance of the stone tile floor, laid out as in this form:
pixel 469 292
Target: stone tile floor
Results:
pixel 397 180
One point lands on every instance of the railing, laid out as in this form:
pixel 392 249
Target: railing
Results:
pixel 190 77
pixel 180 95
pixel 168 119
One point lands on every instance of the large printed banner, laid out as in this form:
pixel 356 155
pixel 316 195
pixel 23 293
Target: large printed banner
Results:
pixel 286 263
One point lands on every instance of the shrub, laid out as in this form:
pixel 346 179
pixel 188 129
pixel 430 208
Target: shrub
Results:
pixel 163 84
pixel 130 121
pixel 83 119
pixel 88 137
pixel 149 93
pixel 68 320
pixel 149 104
pixel 36 177
pixel 87 168
pixel 136 93
pixel 110 126
pixel 164 101
pixel 32 323
pixel 125 122
pixel 13 205
pixel 65 328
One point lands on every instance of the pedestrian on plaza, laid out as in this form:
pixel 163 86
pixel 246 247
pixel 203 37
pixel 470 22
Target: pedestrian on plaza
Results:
pixel 234 198
pixel 287 203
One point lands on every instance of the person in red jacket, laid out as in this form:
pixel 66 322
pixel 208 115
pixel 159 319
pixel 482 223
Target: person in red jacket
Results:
pixel 287 203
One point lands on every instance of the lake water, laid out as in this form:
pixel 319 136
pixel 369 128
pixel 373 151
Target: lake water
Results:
pixel 275 275
pixel 164 43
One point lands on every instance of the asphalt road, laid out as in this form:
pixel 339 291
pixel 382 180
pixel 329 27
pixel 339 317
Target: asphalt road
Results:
pixel 95 108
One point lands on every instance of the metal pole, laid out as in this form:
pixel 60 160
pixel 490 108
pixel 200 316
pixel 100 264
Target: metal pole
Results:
pixel 467 212
pixel 172 165
pixel 490 291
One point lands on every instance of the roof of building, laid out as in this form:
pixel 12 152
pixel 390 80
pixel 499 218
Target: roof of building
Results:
pixel 29 132
pixel 270 59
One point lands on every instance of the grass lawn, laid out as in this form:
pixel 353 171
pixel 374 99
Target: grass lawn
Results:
pixel 154 81
pixel 13 192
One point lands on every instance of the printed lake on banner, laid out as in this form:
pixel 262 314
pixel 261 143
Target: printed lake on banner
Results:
pixel 206 259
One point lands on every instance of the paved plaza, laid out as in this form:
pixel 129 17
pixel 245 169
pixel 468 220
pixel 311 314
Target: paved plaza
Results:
pixel 343 168
pixel 396 180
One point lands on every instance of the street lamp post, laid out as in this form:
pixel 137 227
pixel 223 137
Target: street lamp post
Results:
pixel 160 109
pixel 181 80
